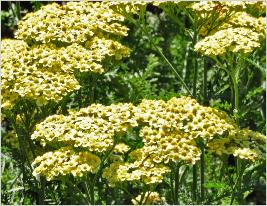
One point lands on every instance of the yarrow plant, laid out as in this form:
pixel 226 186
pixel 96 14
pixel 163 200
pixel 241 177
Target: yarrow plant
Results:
pixel 172 147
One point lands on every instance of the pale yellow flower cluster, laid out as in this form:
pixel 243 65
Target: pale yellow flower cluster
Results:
pixel 171 132
pixel 65 161
pixel 127 8
pixel 145 171
pixel 242 40
pixel 149 198
pixel 74 22
pixel 245 144
pixel 93 127
pixel 74 37
pixel 204 7
pixel 23 78
pixel 121 148
pixel 234 29
pixel 243 19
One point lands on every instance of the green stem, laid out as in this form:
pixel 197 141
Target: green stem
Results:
pixel 194 185
pixel 96 177
pixel 202 172
pixel 195 38
pixel 176 185
pixel 233 75
pixel 74 186
pixel 236 94
pixel 87 188
pixel 92 193
pixel 238 184
pixel 150 38
pixel 125 190
pixel 195 57
pixel 174 70
pixel 18 10
pixel 172 188
pixel 205 77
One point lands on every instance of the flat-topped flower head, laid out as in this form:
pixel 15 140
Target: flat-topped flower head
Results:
pixel 234 31
pixel 65 161
pixel 171 133
pixel 74 22
pixel 23 76
pixel 231 40
pixel 55 43
pixel 94 127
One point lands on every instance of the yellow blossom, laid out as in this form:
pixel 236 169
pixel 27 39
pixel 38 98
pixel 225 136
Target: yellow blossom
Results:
pixel 149 198
pixel 65 161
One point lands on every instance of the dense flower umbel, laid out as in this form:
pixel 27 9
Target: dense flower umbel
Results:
pixel 171 132
pixel 93 128
pixel 74 22
pixel 76 36
pixel 65 161
pixel 22 77
pixel 234 31
pixel 242 40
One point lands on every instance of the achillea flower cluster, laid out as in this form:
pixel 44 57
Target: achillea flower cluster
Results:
pixel 74 22
pixel 149 198
pixel 204 7
pixel 23 78
pixel 92 128
pixel 243 19
pixel 234 31
pixel 121 148
pixel 170 131
pixel 128 7
pixel 56 42
pixel 65 161
pixel 245 144
pixel 234 40
pixel 138 171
